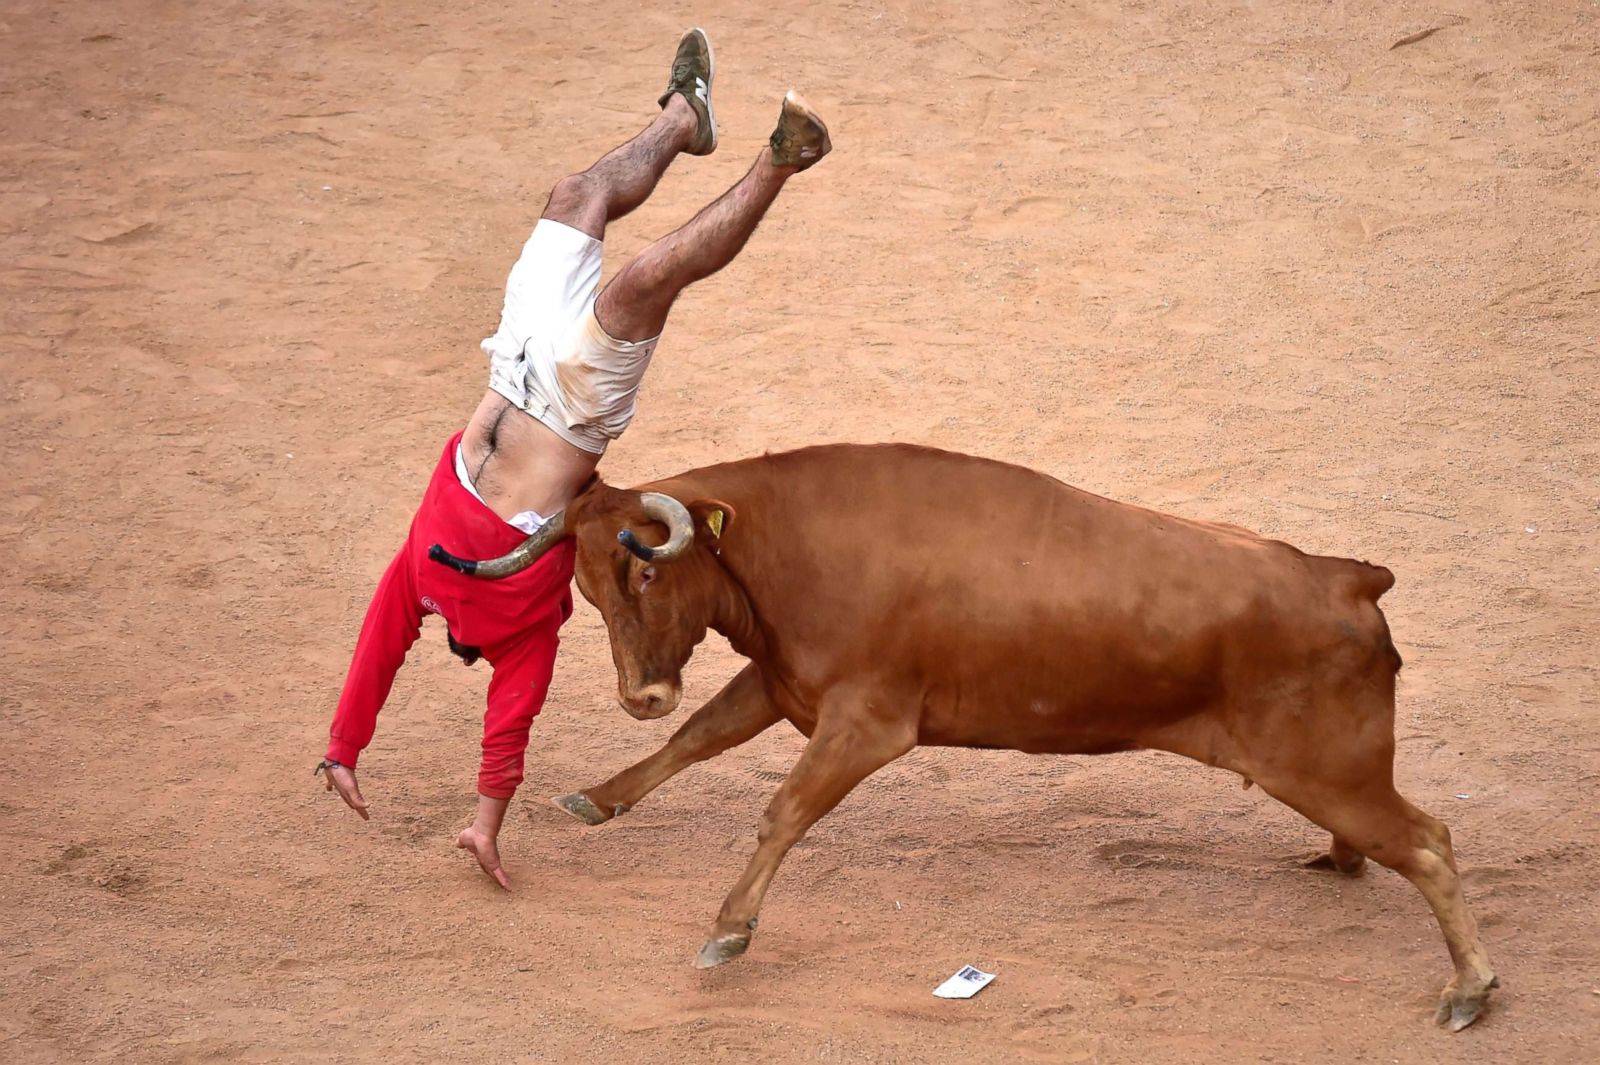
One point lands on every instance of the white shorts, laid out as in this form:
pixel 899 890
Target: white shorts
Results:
pixel 550 356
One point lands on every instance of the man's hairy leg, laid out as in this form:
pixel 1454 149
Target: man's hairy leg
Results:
pixel 625 176
pixel 635 304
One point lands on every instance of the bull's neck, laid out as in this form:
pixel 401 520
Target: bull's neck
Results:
pixel 732 613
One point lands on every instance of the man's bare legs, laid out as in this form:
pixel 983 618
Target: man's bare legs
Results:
pixel 625 176
pixel 634 306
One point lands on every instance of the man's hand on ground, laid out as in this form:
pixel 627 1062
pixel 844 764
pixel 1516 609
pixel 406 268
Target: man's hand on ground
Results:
pixel 482 847
pixel 342 778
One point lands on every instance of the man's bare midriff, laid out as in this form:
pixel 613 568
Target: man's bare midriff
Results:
pixel 517 464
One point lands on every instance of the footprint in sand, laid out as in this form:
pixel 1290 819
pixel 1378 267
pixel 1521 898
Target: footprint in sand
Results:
pixel 414 275
pixel 1143 854
pixel 116 230
pixel 1019 218
pixel 1054 1033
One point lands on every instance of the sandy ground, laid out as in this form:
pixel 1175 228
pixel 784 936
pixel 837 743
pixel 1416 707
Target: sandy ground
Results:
pixel 1241 261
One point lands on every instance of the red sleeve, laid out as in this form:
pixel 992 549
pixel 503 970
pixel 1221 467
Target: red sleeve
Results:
pixel 394 621
pixel 522 670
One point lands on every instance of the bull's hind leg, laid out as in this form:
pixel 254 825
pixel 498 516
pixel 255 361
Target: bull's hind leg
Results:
pixel 739 712
pixel 1341 857
pixel 846 747
pixel 1376 821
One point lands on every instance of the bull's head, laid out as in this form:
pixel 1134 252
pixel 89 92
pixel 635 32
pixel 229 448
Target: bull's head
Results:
pixel 639 564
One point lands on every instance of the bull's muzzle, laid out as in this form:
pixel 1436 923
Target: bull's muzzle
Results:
pixel 650 701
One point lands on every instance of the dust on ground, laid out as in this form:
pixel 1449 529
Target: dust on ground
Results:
pixel 1242 261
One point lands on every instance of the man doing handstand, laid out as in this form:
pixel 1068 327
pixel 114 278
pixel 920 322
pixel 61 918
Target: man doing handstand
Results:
pixel 564 373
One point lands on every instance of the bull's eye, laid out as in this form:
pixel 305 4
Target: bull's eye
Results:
pixel 646 575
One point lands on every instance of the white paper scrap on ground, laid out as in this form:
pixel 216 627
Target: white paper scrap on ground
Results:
pixel 964 984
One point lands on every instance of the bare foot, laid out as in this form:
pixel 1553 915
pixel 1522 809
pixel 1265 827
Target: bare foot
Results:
pixel 482 847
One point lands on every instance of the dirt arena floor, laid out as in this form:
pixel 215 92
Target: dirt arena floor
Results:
pixel 1241 261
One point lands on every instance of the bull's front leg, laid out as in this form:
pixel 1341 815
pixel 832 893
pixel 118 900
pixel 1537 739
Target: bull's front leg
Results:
pixel 739 712
pixel 850 743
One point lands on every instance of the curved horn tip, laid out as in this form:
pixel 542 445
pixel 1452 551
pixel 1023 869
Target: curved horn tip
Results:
pixel 635 548
pixel 461 565
pixel 676 517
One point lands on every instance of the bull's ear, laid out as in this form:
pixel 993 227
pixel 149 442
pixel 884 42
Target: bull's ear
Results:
pixel 712 518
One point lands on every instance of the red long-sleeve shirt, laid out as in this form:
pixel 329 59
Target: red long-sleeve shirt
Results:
pixel 514 621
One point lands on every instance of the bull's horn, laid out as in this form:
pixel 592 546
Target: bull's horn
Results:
pixel 671 513
pixel 520 558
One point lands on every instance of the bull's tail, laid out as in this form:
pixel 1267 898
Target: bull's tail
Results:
pixel 1373 580
pixel 1365 584
pixel 1359 580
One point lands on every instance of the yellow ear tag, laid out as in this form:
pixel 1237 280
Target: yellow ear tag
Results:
pixel 714 520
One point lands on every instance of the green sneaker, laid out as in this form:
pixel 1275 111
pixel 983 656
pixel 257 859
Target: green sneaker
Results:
pixel 692 70
pixel 801 140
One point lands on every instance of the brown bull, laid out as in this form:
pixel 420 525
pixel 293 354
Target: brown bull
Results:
pixel 892 596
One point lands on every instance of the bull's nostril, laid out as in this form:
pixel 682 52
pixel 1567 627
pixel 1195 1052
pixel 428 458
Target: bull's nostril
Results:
pixel 652 700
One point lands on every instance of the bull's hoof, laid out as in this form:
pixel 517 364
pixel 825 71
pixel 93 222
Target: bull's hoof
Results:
pixel 721 949
pixel 578 805
pixel 1458 1009
pixel 1349 865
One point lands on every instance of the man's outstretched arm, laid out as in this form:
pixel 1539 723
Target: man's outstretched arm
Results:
pixel 517 690
pixel 393 623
